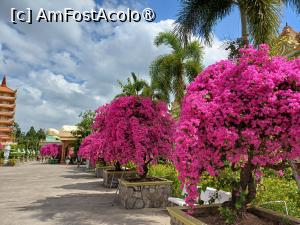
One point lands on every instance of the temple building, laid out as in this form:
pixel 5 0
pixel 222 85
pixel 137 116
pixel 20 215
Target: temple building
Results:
pixel 288 43
pixel 7 112
pixel 63 137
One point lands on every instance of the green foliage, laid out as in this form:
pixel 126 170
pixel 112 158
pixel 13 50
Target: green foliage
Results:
pixel 135 86
pixel 84 127
pixel 229 215
pixel 271 188
pixel 234 47
pixel 168 172
pixel 170 72
pixel 260 19
pixel 29 140
pixel 225 181
pixel 275 188
pixel 11 162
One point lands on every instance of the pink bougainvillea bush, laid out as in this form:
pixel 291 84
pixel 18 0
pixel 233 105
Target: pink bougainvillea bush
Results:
pixel 243 113
pixel 91 148
pixel 50 150
pixel 135 129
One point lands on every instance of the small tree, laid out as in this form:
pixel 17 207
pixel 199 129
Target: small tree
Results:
pixel 244 114
pixel 135 129
pixel 84 127
pixel 91 148
pixel 51 150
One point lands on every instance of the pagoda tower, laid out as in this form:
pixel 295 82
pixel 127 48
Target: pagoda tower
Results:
pixel 7 112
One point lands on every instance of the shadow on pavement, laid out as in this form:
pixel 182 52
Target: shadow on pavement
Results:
pixel 92 186
pixel 79 173
pixel 85 209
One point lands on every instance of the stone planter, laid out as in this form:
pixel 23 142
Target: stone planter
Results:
pixel 113 175
pixel 180 217
pixel 99 170
pixel 147 194
pixel 53 161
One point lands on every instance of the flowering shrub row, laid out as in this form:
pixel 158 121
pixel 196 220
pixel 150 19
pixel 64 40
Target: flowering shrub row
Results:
pixel 242 114
pixel 51 150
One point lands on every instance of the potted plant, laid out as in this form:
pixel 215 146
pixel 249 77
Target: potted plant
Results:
pixel 138 130
pixel 94 149
pixel 245 115
pixel 101 165
pixel 91 150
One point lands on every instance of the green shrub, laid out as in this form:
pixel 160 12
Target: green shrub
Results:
pixel 223 182
pixel 168 172
pixel 274 188
pixel 228 215
pixel 11 162
pixel 271 188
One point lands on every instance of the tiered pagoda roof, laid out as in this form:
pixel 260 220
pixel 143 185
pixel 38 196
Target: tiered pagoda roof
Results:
pixel 7 112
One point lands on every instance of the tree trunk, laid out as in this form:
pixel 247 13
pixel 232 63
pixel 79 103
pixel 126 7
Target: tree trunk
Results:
pixel 244 24
pixel 245 191
pixel 118 166
pixel 102 161
pixel 145 168
pixel 179 93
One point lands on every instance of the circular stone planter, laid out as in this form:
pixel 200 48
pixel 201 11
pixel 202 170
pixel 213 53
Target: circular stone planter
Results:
pixel 99 170
pixel 109 175
pixel 180 217
pixel 146 194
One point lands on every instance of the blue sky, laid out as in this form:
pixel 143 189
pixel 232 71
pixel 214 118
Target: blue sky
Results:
pixel 62 69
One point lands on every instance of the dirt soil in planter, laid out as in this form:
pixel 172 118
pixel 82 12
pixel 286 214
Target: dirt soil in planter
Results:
pixel 249 219
pixel 146 179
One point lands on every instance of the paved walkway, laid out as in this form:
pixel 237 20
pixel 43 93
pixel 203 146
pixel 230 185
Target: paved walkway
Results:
pixel 34 194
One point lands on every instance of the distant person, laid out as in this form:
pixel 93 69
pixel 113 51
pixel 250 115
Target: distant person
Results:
pixel 78 161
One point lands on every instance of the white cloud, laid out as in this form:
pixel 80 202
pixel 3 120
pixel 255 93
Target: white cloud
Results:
pixel 214 53
pixel 61 69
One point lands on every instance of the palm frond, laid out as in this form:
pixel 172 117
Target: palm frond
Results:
pixel 263 19
pixel 193 50
pixel 168 38
pixel 198 17
pixel 161 76
pixel 293 3
pixel 192 69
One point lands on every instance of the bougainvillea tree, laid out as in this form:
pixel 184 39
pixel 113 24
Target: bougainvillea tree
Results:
pixel 91 148
pixel 50 150
pixel 135 129
pixel 243 113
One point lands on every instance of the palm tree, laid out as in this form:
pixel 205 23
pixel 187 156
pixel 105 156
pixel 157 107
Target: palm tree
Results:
pixel 170 72
pixel 134 87
pixel 259 18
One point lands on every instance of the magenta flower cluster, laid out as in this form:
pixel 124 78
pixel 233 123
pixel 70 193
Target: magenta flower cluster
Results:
pixel 50 150
pixel 91 148
pixel 131 129
pixel 243 111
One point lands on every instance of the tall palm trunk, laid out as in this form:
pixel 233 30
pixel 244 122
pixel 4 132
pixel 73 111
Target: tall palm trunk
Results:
pixel 180 85
pixel 245 35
